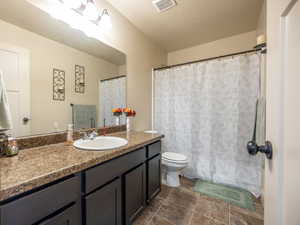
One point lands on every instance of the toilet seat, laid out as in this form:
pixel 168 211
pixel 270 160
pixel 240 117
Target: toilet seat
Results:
pixel 174 157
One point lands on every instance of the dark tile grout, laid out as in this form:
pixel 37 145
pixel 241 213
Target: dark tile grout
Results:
pixel 165 200
pixel 154 214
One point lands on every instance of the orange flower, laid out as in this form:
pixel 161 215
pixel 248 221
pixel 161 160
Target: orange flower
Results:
pixel 126 110
pixel 117 110
pixel 129 112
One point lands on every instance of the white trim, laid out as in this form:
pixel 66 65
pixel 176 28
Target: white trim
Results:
pixel 24 66
pixel 280 160
pixel 99 105
pixel 152 100
pixel 283 66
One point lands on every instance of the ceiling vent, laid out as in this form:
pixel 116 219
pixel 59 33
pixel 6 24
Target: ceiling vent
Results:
pixel 163 5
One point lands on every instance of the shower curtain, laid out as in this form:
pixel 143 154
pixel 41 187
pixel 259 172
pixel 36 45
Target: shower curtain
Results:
pixel 112 95
pixel 206 111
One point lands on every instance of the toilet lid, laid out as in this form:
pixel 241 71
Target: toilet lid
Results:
pixel 172 156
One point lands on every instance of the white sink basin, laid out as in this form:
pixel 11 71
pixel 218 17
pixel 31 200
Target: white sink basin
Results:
pixel 100 143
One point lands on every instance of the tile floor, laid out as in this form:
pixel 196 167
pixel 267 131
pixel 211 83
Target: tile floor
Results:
pixel 183 206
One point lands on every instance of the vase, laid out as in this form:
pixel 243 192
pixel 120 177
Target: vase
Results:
pixel 128 125
pixel 117 121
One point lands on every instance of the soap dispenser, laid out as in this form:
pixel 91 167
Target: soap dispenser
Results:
pixel 70 134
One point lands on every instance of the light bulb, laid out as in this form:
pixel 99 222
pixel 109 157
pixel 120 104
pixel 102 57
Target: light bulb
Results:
pixel 90 29
pixel 77 23
pixel 105 20
pixel 91 11
pixel 84 2
pixel 73 4
pixel 57 13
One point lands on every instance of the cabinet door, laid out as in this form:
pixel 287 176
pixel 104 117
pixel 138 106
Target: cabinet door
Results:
pixel 153 177
pixel 70 216
pixel 103 207
pixel 135 193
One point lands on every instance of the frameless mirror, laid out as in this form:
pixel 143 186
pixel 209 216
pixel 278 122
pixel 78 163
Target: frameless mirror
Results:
pixel 55 75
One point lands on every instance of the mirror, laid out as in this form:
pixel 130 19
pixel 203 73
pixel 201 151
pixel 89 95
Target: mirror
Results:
pixel 56 75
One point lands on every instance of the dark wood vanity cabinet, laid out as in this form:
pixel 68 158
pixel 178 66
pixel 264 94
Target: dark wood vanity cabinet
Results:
pixel 135 193
pixel 112 193
pixel 153 177
pixel 103 207
pixel 153 165
pixel 56 204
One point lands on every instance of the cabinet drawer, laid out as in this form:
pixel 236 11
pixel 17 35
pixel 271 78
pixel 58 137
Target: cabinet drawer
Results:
pixel 38 205
pixel 70 216
pixel 99 175
pixel 153 149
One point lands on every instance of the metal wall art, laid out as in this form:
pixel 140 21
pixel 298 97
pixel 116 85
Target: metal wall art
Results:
pixel 79 79
pixel 58 85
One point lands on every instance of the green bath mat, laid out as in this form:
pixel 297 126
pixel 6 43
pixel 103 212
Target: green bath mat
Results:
pixel 232 195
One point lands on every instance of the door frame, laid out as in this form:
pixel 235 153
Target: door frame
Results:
pixel 277 12
pixel 24 69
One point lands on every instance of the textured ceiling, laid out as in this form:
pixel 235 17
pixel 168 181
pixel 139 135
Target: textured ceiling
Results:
pixel 191 22
pixel 27 16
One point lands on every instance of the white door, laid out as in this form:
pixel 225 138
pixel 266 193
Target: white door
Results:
pixel 282 178
pixel 14 63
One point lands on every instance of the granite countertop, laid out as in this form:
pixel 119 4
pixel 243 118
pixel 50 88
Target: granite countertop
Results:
pixel 34 167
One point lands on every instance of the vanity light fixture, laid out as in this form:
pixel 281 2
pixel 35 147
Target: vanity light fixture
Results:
pixel 73 4
pixel 105 19
pixel 82 15
pixel 91 12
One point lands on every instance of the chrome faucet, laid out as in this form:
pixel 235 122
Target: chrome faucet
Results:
pixel 89 136
pixel 85 135
pixel 92 135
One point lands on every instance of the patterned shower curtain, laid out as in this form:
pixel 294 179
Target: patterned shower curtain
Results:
pixel 206 111
pixel 112 95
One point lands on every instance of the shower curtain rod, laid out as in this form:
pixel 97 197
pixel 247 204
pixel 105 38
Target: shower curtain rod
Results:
pixel 208 59
pixel 113 78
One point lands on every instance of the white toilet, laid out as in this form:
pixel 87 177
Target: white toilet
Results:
pixel 174 163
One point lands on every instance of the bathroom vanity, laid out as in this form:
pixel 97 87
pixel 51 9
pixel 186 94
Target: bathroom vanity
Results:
pixel 103 188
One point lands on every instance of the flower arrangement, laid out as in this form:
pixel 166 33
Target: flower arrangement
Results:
pixel 117 111
pixel 129 112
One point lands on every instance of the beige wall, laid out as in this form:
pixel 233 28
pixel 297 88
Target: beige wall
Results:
pixel 122 69
pixel 45 55
pixel 262 22
pixel 241 42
